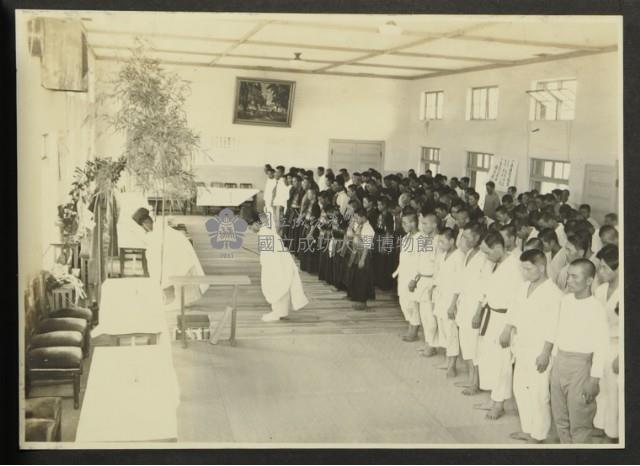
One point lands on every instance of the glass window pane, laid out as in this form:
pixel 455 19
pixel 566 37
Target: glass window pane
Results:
pixel 557 170
pixel 565 172
pixel 548 169
pixel 493 103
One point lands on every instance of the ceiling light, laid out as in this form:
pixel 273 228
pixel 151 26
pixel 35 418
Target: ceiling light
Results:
pixel 390 28
pixel 296 62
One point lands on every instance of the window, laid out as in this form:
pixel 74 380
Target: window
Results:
pixel 430 160
pixel 478 165
pixel 483 103
pixel 553 100
pixel 547 175
pixel 432 103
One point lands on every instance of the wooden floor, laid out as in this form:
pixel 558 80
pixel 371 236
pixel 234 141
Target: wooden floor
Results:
pixel 328 375
pixel 328 311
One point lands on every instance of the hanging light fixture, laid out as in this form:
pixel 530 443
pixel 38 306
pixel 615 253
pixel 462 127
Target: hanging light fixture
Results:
pixel 390 28
pixel 296 62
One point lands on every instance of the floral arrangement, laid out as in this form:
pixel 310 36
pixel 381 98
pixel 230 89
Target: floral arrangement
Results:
pixel 60 276
pixel 96 176
pixel 68 219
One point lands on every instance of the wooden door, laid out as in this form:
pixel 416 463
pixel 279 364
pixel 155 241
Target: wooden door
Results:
pixel 356 156
pixel 600 190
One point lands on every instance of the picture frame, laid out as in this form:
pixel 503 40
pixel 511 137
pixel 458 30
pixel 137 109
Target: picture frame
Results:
pixel 263 102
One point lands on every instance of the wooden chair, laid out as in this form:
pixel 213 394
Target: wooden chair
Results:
pixel 53 346
pixel 133 262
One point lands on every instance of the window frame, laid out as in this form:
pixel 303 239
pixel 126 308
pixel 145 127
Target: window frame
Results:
pixel 438 108
pixel 428 162
pixel 536 180
pixel 473 168
pixel 487 103
pixel 537 93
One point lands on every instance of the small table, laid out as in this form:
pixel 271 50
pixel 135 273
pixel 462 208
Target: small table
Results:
pixel 212 280
pixel 223 197
pixel 132 395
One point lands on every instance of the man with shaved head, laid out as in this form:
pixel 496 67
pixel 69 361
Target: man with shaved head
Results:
pixel 582 341
pixel 533 319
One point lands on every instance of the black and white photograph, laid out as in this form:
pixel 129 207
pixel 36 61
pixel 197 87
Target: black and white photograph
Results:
pixel 278 230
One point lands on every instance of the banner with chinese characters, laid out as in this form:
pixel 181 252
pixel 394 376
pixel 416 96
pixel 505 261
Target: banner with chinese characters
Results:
pixel 503 173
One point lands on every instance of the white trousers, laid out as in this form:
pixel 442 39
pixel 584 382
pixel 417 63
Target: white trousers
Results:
pixel 281 307
pixel 607 401
pixel 494 362
pixel 429 323
pixel 468 336
pixel 531 390
pixel 410 310
pixel 448 336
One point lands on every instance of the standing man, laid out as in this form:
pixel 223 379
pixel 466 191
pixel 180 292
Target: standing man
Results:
pixel 582 344
pixel 269 188
pixel 491 201
pixel 322 179
pixel 406 274
pixel 501 286
pixel 470 294
pixel 534 319
pixel 280 198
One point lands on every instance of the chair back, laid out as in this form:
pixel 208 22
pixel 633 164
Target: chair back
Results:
pixel 133 262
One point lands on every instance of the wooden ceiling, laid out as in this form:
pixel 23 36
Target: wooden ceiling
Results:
pixel 348 45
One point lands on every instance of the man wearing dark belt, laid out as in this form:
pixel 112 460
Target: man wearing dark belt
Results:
pixel 494 361
pixel 581 344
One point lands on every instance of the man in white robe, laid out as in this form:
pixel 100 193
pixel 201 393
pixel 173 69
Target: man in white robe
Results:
pixel 269 190
pixel 471 288
pixel 533 320
pixel 406 274
pixel 169 253
pixel 280 279
pixel 494 360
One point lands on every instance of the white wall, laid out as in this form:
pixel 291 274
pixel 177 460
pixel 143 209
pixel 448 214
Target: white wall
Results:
pixel 43 182
pixel 591 138
pixel 325 107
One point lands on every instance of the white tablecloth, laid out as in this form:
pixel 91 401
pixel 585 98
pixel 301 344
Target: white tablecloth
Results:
pixel 131 305
pixel 132 395
pixel 224 197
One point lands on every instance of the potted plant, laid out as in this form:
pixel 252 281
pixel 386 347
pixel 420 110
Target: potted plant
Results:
pixel 159 142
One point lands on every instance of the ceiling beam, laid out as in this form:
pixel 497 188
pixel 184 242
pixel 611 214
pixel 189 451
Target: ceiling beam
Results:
pixel 265 57
pixel 407 45
pixel 265 68
pixel 241 41
pixel 529 61
pixel 451 57
pixel 529 43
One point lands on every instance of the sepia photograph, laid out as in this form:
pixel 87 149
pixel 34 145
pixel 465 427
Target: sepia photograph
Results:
pixel 278 230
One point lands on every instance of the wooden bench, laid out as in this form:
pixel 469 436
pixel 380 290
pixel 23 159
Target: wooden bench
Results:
pixel 212 280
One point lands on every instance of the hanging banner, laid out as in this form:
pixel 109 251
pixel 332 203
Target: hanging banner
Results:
pixel 503 173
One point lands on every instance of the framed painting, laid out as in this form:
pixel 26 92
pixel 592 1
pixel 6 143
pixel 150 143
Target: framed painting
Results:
pixel 265 102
